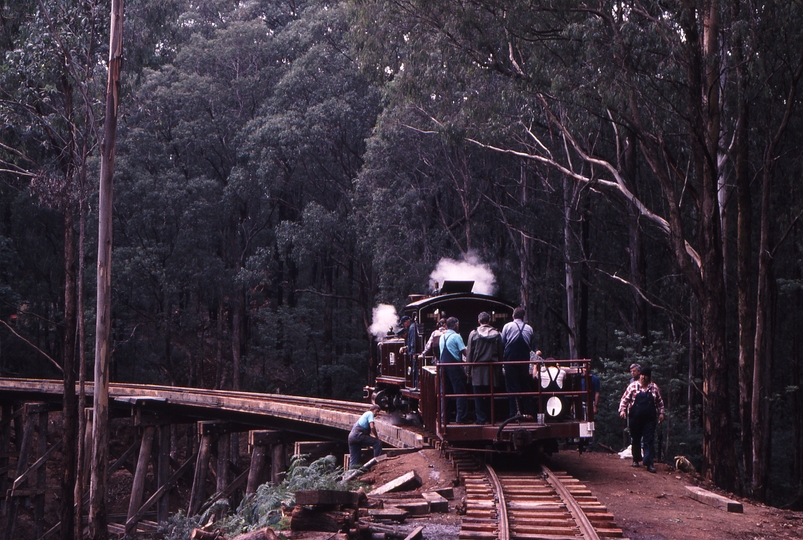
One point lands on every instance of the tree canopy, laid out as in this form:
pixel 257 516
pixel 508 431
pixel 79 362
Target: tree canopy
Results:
pixel 627 169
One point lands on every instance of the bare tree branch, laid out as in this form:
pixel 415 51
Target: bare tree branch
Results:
pixel 37 349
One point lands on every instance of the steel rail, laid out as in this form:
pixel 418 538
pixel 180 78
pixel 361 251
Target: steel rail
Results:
pixel 586 528
pixel 503 525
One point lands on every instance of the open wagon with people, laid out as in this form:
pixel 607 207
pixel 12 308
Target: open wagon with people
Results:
pixel 523 402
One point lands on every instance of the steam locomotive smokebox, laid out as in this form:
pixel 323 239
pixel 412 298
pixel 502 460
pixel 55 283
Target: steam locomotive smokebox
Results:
pixel 391 360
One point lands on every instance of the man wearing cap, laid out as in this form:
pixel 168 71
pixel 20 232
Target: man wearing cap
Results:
pixel 411 345
pixel 642 403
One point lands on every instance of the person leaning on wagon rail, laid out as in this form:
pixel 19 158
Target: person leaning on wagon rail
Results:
pixel 484 345
pixel 433 346
pixel 642 403
pixel 363 433
pixel 411 345
pixel 550 377
pixel 536 361
pixel 454 377
pixel 517 337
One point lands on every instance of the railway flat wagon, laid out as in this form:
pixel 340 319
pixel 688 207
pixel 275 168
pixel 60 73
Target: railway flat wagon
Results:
pixel 530 419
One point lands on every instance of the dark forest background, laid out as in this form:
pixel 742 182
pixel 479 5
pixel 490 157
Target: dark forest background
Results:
pixel 630 171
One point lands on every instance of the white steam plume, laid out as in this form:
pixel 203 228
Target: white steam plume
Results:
pixel 469 269
pixel 384 318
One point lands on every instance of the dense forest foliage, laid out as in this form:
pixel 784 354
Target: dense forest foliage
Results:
pixel 628 170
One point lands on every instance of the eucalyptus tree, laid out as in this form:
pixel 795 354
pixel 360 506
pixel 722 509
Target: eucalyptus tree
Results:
pixel 457 198
pixel 256 125
pixel 49 104
pixel 304 150
pixel 628 99
pixel 53 71
pixel 178 217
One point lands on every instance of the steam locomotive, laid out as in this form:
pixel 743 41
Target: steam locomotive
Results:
pixel 520 422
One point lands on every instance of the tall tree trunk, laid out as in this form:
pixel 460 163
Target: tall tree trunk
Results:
pixel 220 367
pixel 744 275
pixel 98 514
pixel 568 267
pixel 718 449
pixel 582 329
pixel 634 242
pixel 797 405
pixel 762 352
pixel 526 247
pixel 80 471
pixel 762 368
pixel 238 315
pixel 70 402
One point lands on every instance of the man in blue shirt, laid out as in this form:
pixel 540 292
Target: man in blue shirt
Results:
pixel 454 377
pixel 363 433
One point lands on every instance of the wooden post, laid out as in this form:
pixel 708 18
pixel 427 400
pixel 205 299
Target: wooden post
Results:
pixel 223 476
pixel 29 426
pixel 138 487
pixel 256 472
pixel 259 441
pixel 87 447
pixel 41 474
pixel 277 463
pixel 5 440
pixel 163 470
pixel 198 493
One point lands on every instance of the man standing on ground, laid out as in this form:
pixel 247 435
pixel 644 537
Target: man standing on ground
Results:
pixel 484 345
pixel 642 403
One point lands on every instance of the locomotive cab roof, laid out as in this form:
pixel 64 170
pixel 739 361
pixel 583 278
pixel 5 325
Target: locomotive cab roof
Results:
pixel 456 299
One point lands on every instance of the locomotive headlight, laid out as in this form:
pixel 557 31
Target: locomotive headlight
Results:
pixel 392 359
pixel 554 406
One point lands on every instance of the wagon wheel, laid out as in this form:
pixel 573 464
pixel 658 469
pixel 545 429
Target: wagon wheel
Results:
pixel 383 399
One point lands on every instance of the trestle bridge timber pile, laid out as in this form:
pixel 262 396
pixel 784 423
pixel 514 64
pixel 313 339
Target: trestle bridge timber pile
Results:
pixel 532 505
pixel 277 426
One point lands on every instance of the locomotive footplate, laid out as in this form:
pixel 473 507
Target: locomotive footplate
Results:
pixel 398 383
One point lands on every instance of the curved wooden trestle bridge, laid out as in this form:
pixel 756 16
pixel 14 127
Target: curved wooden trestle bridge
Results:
pixel 503 506
pixel 277 426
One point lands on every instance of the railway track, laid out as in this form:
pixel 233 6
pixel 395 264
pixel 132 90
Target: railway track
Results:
pixel 532 505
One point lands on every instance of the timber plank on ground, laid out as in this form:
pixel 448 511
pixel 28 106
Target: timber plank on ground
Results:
pixel 712 499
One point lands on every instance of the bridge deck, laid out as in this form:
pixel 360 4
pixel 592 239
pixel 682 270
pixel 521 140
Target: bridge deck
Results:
pixel 278 411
